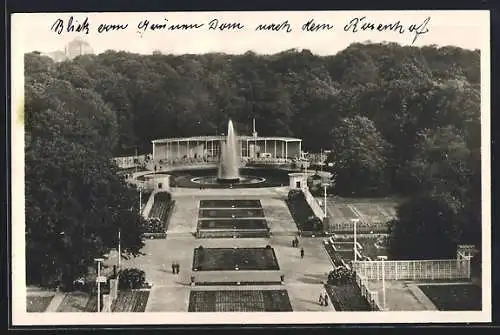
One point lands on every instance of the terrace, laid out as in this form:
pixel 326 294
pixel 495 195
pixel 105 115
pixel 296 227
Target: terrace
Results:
pixel 231 218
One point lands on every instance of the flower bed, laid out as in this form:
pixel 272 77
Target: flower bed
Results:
pixel 347 297
pixel 301 212
pixel 229 259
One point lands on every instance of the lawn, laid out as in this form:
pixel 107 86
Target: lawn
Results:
pixel 240 301
pixel 226 259
pixel 38 304
pixel 230 204
pixel 454 297
pixel 244 224
pixel 232 213
pixel 347 297
pixel 373 214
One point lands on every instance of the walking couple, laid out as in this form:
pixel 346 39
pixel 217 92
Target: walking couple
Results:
pixel 175 268
pixel 323 300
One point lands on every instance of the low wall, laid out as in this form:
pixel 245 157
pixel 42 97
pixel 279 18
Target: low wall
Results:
pixel 229 233
pixel 236 276
pixel 149 205
pixel 313 203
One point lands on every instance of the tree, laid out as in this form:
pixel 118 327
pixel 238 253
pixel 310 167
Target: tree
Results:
pixel 427 227
pixel 358 157
pixel 75 200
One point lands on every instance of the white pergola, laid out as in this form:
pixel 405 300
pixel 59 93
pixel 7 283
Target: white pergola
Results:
pixel 176 148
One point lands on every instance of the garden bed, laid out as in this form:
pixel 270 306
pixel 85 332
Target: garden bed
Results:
pixel 230 204
pixel 238 224
pixel 240 301
pixel 227 259
pixel 130 301
pixel 233 213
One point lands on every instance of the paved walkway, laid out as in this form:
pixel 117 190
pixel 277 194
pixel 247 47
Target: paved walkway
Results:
pixel 278 217
pixel 184 216
pixel 399 297
pixel 421 297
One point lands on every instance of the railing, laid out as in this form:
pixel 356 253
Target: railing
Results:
pixel 370 296
pixel 414 269
pixel 361 228
pixel 129 161
pixel 149 205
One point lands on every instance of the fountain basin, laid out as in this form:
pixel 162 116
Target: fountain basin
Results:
pixel 228 180
pixel 208 178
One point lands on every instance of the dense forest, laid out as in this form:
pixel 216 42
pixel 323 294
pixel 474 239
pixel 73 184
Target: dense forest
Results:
pixel 397 120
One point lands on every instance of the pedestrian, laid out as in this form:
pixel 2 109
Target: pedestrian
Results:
pixel 173 267
pixel 178 267
pixel 293 243
pixel 325 299
pixel 321 299
pixel 296 242
pixel 301 252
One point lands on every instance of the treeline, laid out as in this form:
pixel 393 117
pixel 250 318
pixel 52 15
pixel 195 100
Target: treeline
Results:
pixel 397 119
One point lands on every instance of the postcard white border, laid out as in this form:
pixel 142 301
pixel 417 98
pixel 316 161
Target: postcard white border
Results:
pixel 21 317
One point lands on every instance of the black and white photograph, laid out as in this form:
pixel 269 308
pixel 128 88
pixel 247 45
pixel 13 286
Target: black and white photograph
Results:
pixel 250 167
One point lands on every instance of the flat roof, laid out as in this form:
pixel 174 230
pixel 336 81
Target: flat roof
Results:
pixel 220 137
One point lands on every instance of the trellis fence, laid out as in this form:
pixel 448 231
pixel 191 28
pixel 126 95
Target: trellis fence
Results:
pixel 414 269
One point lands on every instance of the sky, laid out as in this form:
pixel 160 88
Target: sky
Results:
pixel 32 31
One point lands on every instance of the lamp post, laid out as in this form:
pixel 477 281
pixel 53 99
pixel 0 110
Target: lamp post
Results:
pixel 136 159
pixel 119 249
pixel 355 222
pixel 383 259
pixel 140 199
pixel 324 196
pixel 98 281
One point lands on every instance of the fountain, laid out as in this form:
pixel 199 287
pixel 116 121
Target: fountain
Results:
pixel 229 163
